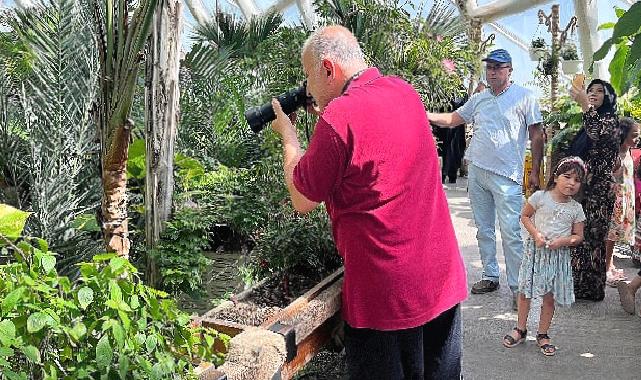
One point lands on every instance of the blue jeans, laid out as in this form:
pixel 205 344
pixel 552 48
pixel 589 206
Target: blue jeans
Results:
pixel 494 195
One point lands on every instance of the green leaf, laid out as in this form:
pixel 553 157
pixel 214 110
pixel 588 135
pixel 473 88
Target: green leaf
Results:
pixel 31 353
pixel 48 262
pixel 617 66
pixel 115 291
pixel 85 297
pixel 78 331
pixel 6 352
pixel 635 52
pixel 104 354
pixel 12 221
pixel 603 50
pixel 11 300
pixel 104 257
pixel 151 343
pixel 607 25
pixel 7 332
pixel 629 22
pixel 123 366
pixel 14 376
pixel 619 11
pixel 38 320
pixel 42 244
pixel 134 302
pixel 86 222
pixel 119 334
pixel 116 263
pixel 136 159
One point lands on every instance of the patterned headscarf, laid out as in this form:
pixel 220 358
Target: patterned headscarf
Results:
pixel 609 97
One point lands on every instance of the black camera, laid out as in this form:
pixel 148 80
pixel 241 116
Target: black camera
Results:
pixel 290 101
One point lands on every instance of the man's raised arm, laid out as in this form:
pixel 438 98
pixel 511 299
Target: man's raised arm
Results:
pixel 445 120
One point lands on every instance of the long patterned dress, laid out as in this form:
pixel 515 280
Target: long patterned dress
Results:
pixel 588 259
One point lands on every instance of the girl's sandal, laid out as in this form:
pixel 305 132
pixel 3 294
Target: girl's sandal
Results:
pixel 509 341
pixel 547 349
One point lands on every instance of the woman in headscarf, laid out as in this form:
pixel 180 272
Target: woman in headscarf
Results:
pixel 601 134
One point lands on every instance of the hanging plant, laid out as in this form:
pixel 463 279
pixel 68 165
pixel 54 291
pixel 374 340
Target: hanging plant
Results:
pixel 538 49
pixel 569 53
pixel 538 43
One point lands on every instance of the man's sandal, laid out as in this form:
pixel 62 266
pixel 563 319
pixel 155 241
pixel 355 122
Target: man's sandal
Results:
pixel 547 349
pixel 509 341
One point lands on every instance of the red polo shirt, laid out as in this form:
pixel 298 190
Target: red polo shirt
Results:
pixel 372 160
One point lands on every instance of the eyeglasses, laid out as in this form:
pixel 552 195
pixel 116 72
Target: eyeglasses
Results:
pixel 494 68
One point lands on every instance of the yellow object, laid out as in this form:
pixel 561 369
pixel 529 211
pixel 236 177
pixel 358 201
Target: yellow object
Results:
pixel 527 170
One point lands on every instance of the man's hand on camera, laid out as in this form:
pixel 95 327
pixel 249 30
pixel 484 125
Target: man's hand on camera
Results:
pixel 283 124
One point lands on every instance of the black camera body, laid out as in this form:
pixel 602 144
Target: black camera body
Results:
pixel 290 101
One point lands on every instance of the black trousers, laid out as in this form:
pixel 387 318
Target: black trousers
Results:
pixel 430 351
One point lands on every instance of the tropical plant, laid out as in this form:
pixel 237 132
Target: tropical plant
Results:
pixel 401 44
pixel 625 67
pixel 122 29
pixel 51 138
pixel 106 324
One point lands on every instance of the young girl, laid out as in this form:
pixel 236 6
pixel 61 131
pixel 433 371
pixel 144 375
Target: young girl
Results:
pixel 623 218
pixel 546 269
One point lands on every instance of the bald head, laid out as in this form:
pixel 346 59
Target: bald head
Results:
pixel 337 44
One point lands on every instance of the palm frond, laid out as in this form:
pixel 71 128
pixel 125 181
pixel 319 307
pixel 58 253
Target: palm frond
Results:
pixel 56 99
pixel 444 20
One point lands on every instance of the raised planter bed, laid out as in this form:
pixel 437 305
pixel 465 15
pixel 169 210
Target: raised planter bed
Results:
pixel 293 333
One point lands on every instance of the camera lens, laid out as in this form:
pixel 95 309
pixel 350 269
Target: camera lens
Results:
pixel 290 101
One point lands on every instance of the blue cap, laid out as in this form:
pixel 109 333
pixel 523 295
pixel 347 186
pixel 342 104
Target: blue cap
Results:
pixel 498 55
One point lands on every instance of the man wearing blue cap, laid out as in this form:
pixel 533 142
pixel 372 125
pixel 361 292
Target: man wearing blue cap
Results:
pixel 503 115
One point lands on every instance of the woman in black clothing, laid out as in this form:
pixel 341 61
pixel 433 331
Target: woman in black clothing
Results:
pixel 601 147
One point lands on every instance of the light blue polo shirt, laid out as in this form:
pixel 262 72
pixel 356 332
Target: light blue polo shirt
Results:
pixel 500 129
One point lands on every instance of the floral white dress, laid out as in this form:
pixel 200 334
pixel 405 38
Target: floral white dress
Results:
pixel 622 225
pixel 545 270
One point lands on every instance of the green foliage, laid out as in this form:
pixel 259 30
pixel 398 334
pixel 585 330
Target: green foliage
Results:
pixel 12 221
pixel 625 68
pixel 569 53
pixel 569 116
pixel 179 253
pixel 289 240
pixel 106 324
pixel 538 43
pixel 48 150
pixel 408 46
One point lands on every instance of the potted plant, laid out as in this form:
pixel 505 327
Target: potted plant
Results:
pixel 538 49
pixel 571 61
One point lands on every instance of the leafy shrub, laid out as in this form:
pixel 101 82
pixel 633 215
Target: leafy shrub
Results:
pixel 105 324
pixel 179 253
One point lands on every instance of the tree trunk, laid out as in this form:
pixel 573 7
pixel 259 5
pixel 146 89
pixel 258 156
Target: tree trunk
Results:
pixel 114 200
pixel 162 116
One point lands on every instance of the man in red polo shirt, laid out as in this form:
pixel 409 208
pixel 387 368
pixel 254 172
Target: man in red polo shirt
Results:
pixel 372 160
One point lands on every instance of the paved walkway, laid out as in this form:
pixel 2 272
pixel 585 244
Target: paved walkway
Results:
pixel 594 340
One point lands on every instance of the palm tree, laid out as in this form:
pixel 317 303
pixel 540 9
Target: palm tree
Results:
pixel 123 27
pixel 51 152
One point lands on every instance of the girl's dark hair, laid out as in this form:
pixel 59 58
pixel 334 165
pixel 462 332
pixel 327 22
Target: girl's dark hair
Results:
pixel 609 97
pixel 567 166
pixel 626 124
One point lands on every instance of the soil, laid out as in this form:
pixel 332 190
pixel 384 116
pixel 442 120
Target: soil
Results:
pixel 247 314
pixel 271 297
pixel 277 292
pixel 326 365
